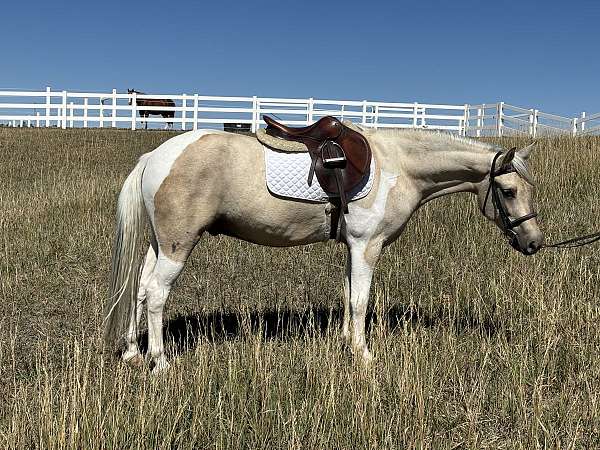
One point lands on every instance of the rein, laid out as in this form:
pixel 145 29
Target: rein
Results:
pixel 575 242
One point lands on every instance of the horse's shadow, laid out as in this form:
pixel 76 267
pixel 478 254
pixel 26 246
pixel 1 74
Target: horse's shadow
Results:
pixel 185 331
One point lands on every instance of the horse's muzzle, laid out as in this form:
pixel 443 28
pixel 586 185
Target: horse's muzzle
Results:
pixel 532 248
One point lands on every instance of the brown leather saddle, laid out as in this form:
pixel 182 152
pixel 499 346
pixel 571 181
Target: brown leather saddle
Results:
pixel 341 157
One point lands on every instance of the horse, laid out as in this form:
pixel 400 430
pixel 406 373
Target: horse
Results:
pixel 145 113
pixel 213 181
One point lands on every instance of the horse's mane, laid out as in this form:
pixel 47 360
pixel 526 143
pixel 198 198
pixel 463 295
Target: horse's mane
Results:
pixel 438 138
pixel 441 140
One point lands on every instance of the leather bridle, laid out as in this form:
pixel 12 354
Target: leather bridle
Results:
pixel 507 224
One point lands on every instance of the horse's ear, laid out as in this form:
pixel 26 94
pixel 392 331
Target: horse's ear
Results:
pixel 526 151
pixel 506 158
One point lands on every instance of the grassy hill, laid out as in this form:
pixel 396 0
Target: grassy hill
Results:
pixel 476 346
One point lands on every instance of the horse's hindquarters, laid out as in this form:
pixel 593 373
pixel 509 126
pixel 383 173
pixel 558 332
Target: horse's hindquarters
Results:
pixel 215 181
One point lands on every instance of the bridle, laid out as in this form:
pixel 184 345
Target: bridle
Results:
pixel 507 224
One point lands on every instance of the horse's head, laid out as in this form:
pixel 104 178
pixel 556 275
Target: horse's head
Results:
pixel 506 198
pixel 130 91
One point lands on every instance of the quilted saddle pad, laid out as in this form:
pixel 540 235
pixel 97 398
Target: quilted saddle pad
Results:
pixel 287 176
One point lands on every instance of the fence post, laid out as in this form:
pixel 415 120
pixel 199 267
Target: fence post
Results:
pixel 582 122
pixel 101 118
pixel 255 114
pixel 415 106
pixel 37 120
pixel 134 111
pixel 376 118
pixel 183 111
pixel 535 122
pixel 85 112
pixel 479 120
pixel 499 119
pixel 48 98
pixel 309 115
pixel 71 115
pixel 114 108
pixel 195 126
pixel 530 130
pixel 574 126
pixel 465 121
pixel 64 110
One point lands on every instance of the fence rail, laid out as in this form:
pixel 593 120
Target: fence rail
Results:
pixel 65 109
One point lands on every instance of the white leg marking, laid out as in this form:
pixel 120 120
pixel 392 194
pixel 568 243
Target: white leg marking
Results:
pixel 361 276
pixel 164 275
pixel 132 354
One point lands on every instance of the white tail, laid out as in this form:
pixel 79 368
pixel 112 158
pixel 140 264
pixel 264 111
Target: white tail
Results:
pixel 125 265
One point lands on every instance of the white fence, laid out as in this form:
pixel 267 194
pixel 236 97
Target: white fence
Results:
pixel 85 109
pixel 499 119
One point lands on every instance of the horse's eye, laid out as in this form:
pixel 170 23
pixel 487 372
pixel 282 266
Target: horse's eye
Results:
pixel 508 193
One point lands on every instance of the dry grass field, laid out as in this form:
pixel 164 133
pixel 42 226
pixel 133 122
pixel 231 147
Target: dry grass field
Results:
pixel 476 346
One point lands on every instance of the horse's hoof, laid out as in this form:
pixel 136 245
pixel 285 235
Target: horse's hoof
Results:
pixel 136 361
pixel 161 366
pixel 133 359
pixel 364 357
pixel 367 358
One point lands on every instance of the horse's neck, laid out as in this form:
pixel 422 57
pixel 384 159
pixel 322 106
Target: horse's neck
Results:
pixel 442 165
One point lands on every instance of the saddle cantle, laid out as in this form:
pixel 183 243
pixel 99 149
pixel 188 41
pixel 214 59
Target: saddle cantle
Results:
pixel 341 157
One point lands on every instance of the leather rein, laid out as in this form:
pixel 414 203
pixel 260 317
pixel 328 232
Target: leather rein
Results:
pixel 509 224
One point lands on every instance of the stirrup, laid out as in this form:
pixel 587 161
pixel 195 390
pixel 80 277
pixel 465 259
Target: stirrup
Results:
pixel 333 155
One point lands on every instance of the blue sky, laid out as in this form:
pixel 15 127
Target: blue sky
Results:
pixel 531 54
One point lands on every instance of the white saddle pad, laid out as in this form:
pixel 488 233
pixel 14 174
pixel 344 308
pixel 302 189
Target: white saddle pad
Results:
pixel 287 176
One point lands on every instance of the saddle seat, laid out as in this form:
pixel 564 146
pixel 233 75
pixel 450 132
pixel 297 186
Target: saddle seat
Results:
pixel 341 157
pixel 326 128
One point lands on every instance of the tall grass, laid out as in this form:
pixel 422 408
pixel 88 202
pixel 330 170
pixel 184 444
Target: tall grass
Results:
pixel 476 346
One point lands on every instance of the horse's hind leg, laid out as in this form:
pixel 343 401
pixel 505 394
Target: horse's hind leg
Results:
pixel 159 285
pixel 132 355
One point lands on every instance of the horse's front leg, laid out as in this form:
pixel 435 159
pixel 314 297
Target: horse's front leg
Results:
pixel 347 280
pixel 363 258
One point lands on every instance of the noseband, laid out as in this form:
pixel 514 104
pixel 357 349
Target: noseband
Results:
pixel 507 224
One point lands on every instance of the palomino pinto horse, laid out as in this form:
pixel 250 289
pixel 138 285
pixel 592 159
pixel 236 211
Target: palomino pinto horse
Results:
pixel 213 181
pixel 145 113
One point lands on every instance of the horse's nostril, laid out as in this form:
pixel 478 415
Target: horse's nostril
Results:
pixel 533 247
